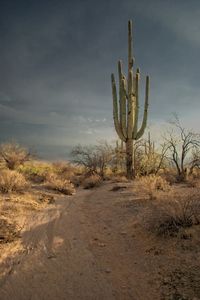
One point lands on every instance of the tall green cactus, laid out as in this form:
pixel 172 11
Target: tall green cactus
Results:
pixel 120 155
pixel 126 113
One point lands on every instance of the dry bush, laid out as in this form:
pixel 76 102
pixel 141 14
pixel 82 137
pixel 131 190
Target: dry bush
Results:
pixel 12 181
pixel 152 184
pixel 64 186
pixel 77 180
pixel 95 159
pixel 170 176
pixel 167 216
pixel 193 182
pixel 13 155
pixel 91 181
pixel 64 169
pixel 8 231
pixel 119 178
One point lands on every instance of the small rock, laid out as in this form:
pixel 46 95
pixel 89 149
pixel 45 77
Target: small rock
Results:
pixel 52 255
pixel 101 244
pixel 123 233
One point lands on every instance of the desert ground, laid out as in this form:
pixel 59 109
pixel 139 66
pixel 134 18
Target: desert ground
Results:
pixel 95 245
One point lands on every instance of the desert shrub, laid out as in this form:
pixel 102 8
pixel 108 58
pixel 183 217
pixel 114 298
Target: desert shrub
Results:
pixel 36 172
pixel 170 176
pixel 64 186
pixel 167 216
pixel 91 181
pixel 193 182
pixel 95 159
pixel 64 169
pixel 152 184
pixel 119 178
pixel 77 180
pixel 12 181
pixel 13 155
pixel 8 231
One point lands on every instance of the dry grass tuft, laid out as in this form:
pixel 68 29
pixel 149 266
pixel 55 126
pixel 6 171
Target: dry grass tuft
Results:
pixel 119 178
pixel 8 231
pixel 77 180
pixel 170 177
pixel 64 169
pixel 64 186
pixel 168 215
pixel 193 182
pixel 12 181
pixel 91 181
pixel 152 184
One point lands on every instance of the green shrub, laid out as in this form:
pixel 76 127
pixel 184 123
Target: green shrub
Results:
pixel 36 172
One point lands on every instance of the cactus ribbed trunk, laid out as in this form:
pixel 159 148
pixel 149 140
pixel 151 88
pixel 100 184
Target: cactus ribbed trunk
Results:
pixel 126 112
pixel 129 159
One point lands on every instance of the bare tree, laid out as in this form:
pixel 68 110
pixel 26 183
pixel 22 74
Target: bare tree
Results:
pixel 95 159
pixel 13 155
pixel 104 154
pixel 182 145
pixel 85 156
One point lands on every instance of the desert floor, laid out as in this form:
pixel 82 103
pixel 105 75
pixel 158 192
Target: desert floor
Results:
pixel 93 245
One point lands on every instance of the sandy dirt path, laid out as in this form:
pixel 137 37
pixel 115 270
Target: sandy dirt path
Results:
pixel 83 249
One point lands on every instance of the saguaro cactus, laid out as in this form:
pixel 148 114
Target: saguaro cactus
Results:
pixel 126 113
pixel 120 155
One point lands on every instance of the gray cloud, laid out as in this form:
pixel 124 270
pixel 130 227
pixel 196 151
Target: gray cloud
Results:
pixel 56 58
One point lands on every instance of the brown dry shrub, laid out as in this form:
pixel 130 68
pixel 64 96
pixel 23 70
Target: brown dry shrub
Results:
pixel 119 178
pixel 91 181
pixel 13 155
pixel 12 181
pixel 193 182
pixel 77 180
pixel 170 177
pixel 64 169
pixel 171 213
pixel 56 183
pixel 152 184
pixel 8 231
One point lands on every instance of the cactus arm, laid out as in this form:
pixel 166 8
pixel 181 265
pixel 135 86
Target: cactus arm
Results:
pixel 130 120
pixel 130 50
pixel 124 107
pixel 115 109
pixel 135 128
pixel 122 99
pixel 144 122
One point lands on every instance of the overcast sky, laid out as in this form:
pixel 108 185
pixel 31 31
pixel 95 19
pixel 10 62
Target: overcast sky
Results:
pixel 56 58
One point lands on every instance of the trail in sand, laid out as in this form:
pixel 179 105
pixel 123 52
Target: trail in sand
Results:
pixel 81 249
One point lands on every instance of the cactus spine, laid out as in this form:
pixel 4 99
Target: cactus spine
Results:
pixel 125 114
